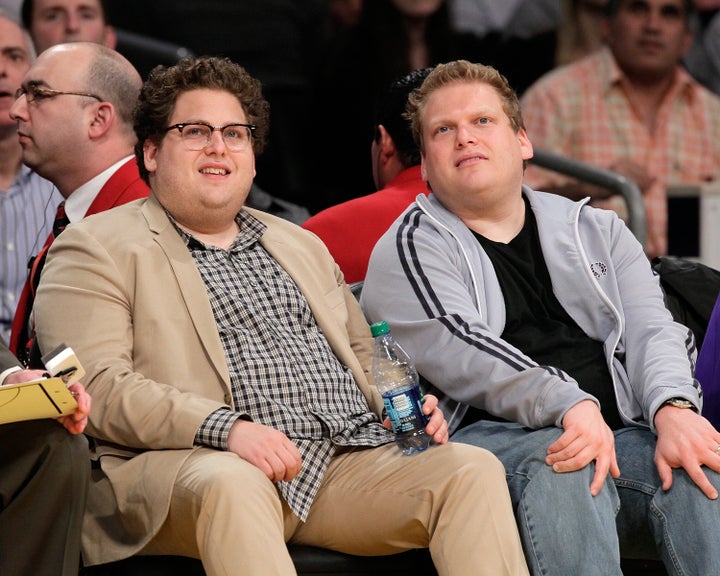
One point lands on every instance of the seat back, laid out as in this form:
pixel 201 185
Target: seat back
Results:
pixel 599 177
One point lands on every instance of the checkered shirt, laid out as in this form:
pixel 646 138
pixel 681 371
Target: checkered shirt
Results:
pixel 582 111
pixel 283 372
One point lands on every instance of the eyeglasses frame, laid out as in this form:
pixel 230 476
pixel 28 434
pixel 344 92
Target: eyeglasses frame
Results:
pixel 40 93
pixel 179 127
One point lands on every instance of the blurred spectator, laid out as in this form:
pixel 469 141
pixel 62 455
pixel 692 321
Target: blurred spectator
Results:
pixel 630 108
pixel 703 58
pixel 12 8
pixel 392 38
pixel 27 201
pixel 277 41
pixel 581 31
pixel 523 18
pixel 53 22
pixel 520 28
pixel 350 229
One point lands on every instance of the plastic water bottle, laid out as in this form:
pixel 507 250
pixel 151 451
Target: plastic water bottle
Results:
pixel 397 381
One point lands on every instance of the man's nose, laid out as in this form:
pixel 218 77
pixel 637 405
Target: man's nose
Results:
pixel 464 134
pixel 72 22
pixel 216 142
pixel 18 108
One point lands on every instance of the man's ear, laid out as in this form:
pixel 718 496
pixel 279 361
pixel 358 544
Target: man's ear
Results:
pixel 387 145
pixel 110 37
pixel 150 150
pixel 526 147
pixel 102 120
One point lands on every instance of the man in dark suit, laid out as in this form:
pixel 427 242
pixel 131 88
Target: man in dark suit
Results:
pixel 74 115
pixel 43 485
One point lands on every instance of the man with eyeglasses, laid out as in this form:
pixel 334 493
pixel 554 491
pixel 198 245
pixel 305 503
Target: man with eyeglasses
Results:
pixel 74 122
pixel 229 368
pixel 27 200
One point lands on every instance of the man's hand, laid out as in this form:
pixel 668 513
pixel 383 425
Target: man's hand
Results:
pixel 437 427
pixel 75 423
pixel 686 440
pixel 22 376
pixel 266 448
pixel 586 438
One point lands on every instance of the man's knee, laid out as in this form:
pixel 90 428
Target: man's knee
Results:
pixel 64 456
pixel 469 465
pixel 471 456
pixel 225 481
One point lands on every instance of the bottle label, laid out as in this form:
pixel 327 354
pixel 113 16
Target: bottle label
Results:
pixel 404 408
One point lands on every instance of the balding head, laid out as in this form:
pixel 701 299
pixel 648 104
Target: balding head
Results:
pixel 76 117
pixel 99 70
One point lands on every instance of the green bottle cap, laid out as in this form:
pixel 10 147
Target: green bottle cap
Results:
pixel 379 328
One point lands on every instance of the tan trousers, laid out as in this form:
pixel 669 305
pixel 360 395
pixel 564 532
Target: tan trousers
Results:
pixel 452 499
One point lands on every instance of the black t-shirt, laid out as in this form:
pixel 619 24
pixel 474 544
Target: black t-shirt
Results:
pixel 537 324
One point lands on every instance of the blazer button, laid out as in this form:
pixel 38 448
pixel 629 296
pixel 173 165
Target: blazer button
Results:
pixel 228 399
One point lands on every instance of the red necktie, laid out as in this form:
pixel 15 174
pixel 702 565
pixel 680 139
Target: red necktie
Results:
pixel 61 220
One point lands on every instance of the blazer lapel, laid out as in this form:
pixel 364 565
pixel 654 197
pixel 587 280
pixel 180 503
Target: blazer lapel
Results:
pixel 191 285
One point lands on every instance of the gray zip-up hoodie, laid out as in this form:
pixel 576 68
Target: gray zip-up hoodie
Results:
pixel 431 280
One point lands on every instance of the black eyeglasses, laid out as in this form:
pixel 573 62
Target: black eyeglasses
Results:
pixel 197 135
pixel 35 93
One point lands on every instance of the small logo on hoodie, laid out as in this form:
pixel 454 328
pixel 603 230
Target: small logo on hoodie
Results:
pixel 598 269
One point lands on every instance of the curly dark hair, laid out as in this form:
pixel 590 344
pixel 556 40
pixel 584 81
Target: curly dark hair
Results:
pixel 164 84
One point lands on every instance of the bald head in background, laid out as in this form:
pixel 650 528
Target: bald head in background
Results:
pixel 70 137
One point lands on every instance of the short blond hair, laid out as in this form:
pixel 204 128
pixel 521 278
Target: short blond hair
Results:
pixel 465 72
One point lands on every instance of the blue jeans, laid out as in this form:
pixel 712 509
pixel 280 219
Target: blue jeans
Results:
pixel 567 532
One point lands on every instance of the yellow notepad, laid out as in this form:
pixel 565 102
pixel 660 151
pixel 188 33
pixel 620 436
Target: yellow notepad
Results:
pixel 48 398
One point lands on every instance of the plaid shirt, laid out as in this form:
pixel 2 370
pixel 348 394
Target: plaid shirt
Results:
pixel 582 111
pixel 283 372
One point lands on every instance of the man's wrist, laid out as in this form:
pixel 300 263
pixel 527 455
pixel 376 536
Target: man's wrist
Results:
pixel 681 403
pixel 676 406
pixel 5 373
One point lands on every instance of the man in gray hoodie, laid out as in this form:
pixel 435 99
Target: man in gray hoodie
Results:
pixel 538 323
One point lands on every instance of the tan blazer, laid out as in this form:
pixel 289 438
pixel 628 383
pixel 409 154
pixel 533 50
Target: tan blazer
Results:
pixel 123 291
